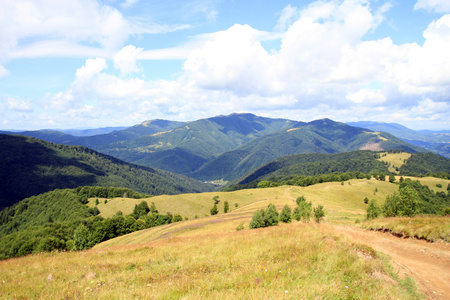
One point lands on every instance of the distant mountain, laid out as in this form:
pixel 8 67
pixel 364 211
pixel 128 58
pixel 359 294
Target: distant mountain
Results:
pixel 185 149
pixel 92 141
pixel 92 131
pixel 436 141
pixel 31 166
pixel 320 136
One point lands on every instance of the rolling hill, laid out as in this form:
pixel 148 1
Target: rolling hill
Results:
pixel 321 136
pixel 30 167
pixel 437 141
pixel 367 162
pixel 185 149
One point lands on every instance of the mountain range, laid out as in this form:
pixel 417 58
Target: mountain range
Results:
pixel 226 147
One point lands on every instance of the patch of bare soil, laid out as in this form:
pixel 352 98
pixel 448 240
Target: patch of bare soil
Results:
pixel 428 263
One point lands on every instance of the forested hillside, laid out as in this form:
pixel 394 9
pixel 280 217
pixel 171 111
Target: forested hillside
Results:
pixel 30 167
pixel 321 136
pixel 185 149
pixel 291 168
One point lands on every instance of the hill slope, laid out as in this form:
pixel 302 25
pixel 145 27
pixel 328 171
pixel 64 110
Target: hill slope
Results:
pixel 185 149
pixel 321 136
pixel 437 141
pixel 30 167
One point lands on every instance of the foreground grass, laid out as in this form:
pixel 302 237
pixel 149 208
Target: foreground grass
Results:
pixel 289 261
pixel 430 228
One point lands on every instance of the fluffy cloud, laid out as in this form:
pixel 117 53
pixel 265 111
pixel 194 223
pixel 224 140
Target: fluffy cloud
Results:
pixel 442 6
pixel 324 67
pixel 125 59
pixel 19 105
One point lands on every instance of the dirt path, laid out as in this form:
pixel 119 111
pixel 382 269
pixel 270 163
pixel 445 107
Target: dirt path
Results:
pixel 427 263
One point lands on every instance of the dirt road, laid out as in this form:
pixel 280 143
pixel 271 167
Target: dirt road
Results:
pixel 428 263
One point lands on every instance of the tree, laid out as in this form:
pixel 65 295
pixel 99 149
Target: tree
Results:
pixel 271 215
pixel 176 218
pixel 285 215
pixel 373 210
pixel 404 204
pixel 319 213
pixel 300 199
pixel 391 178
pixel 80 237
pixel 303 211
pixel 257 220
pixel 214 210
pixel 366 200
pixel 153 208
pixel 382 177
pixel 226 207
pixel 140 210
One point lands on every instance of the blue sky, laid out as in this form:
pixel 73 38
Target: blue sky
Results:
pixel 87 63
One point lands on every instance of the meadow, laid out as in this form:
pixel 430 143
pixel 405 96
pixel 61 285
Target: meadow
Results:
pixel 206 257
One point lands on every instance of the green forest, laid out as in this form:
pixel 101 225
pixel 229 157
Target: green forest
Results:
pixel 60 220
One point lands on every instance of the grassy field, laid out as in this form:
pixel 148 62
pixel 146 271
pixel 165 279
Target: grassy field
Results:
pixel 206 257
pixel 289 261
pixel 344 202
pixel 394 159
pixel 429 228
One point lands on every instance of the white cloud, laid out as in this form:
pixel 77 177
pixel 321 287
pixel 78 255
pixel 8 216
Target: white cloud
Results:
pixel 125 59
pixel 77 28
pixel 91 67
pixel 367 96
pixel 19 105
pixel 322 69
pixel 440 6
pixel 128 3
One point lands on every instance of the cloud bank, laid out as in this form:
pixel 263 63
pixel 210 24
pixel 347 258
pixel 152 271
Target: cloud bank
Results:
pixel 324 67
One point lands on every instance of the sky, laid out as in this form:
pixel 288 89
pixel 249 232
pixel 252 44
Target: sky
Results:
pixel 91 63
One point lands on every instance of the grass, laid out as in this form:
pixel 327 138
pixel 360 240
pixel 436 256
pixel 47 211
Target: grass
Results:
pixel 394 159
pixel 430 228
pixel 289 261
pixel 344 203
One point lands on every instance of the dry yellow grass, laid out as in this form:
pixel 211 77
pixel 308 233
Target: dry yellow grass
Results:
pixel 394 159
pixel 289 261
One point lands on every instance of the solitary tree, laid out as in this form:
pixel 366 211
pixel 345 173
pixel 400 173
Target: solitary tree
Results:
pixel 226 207
pixel 319 213
pixel 214 210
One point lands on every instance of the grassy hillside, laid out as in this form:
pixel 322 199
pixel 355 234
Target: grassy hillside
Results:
pixel 30 167
pixel 294 261
pixel 207 257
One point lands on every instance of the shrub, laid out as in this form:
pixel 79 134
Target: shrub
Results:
pixel 300 199
pixel 319 213
pixel 366 200
pixel 176 218
pixel 226 207
pixel 240 227
pixel 214 210
pixel 405 204
pixel 285 215
pixel 271 215
pixel 257 220
pixel 373 210
pixel 439 185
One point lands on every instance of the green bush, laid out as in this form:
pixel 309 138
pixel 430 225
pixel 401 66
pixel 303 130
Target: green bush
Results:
pixel 214 210
pixel 303 212
pixel 257 220
pixel 271 215
pixel 373 210
pixel 285 215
